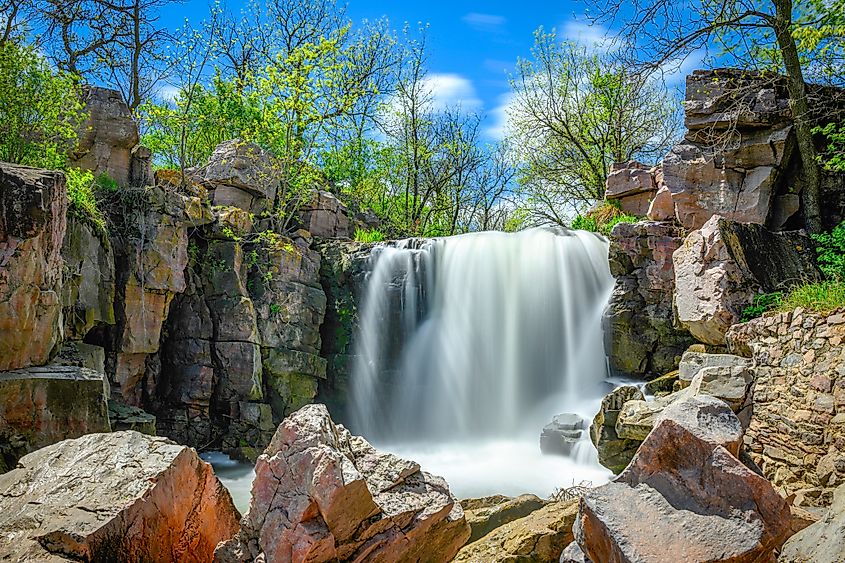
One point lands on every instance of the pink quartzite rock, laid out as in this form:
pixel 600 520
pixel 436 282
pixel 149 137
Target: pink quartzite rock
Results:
pixel 321 494
pixel 685 494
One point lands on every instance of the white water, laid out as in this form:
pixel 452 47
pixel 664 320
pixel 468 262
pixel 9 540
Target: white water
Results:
pixel 469 345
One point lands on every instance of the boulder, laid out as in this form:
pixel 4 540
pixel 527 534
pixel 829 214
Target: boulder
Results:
pixel 685 478
pixel 537 538
pixel 661 208
pixel 321 494
pixel 822 542
pixel 573 554
pixel 242 175
pixel 325 216
pixel 44 405
pixel 632 185
pixel 486 514
pixel 641 335
pixel 33 210
pixel 637 418
pixel 561 435
pixel 614 452
pixel 117 497
pixel 721 267
pixel 693 362
pixel 107 137
pixel 711 290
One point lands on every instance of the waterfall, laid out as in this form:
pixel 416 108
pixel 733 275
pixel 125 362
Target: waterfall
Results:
pixel 481 336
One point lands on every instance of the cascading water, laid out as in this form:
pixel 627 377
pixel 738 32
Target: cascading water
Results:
pixel 468 345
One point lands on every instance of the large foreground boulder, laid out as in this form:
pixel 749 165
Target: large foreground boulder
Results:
pixel 322 494
pixel 685 493
pixel 488 513
pixel 119 497
pixel 539 537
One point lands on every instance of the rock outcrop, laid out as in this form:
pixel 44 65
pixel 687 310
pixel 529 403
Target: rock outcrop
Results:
pixel 722 266
pixel 539 537
pixel 321 494
pixel 116 497
pixel 685 477
pixel 43 405
pixel 33 211
pixel 796 432
pixel 326 217
pixel 640 330
pixel 241 174
pixel 632 185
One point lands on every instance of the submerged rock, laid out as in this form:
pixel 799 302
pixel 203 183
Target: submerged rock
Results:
pixel 119 497
pixel 322 494
pixel 561 435
pixel 539 537
pixel 685 479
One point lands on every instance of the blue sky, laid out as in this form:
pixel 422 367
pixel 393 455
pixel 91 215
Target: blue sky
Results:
pixel 472 45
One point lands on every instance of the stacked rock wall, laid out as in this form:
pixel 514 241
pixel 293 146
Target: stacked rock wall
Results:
pixel 797 427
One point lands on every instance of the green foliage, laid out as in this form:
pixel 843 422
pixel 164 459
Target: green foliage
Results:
pixel 40 109
pixel 820 297
pixel 81 193
pixel 275 308
pixel 368 235
pixel 762 303
pixel 603 218
pixel 830 252
pixel 833 157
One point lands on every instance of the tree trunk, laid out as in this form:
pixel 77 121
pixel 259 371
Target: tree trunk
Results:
pixel 810 194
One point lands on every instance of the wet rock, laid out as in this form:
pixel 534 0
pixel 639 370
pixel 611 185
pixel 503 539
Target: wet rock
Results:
pixel 539 537
pixel 326 217
pixel 117 497
pixel 107 137
pixel 641 336
pixel 633 185
pixel 44 405
pixel 663 384
pixel 822 542
pixel 561 435
pixel 33 208
pixel 614 452
pixel 685 477
pixel 321 494
pixel 487 514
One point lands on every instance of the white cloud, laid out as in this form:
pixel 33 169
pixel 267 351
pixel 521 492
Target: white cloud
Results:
pixel 592 36
pixel 498 118
pixel 451 90
pixel 168 93
pixel 484 22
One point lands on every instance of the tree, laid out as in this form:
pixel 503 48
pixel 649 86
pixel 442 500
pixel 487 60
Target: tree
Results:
pixel 575 113
pixel 40 109
pixel 665 31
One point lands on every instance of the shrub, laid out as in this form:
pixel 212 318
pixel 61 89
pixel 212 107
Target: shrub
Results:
pixel 368 235
pixel 762 303
pixel 830 252
pixel 40 109
pixel 81 193
pixel 603 218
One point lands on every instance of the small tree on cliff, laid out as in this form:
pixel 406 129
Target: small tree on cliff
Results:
pixel 574 113
pixel 757 33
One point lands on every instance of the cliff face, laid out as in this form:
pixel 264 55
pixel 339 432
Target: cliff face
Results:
pixel 188 307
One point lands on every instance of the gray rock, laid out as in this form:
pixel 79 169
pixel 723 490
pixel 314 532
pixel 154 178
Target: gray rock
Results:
pixel 244 166
pixel 560 436
pixel 122 496
pixel 573 554
pixel 326 217
pixel 694 362
pixel 822 542
pixel 614 452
